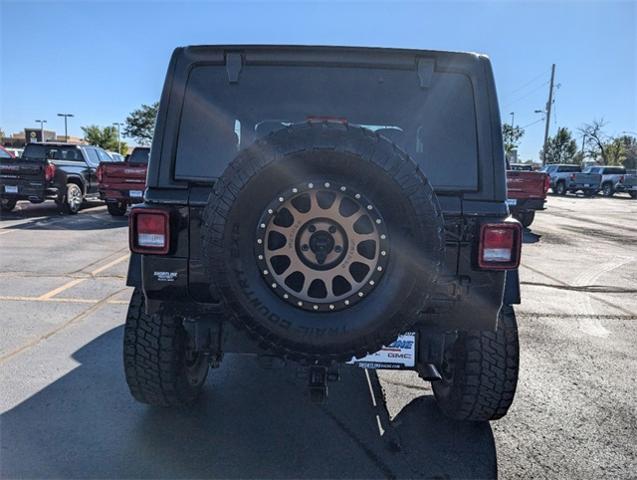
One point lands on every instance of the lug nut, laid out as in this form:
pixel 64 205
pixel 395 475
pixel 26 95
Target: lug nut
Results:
pixel 332 229
pixel 312 229
pixel 305 248
pixel 338 249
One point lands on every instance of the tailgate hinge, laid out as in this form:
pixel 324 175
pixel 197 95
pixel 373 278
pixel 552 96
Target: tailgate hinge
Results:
pixel 234 64
pixel 425 68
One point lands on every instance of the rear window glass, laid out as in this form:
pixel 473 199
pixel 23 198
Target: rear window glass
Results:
pixel 435 125
pixel 139 155
pixel 53 152
pixel 4 154
pixel 569 168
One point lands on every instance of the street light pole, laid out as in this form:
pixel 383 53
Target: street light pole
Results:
pixel 119 142
pixel 66 131
pixel 41 122
pixel 512 119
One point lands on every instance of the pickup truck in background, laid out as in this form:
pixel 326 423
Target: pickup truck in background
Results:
pixel 122 183
pixel 524 167
pixel 628 184
pixel 611 178
pixel 526 193
pixel 566 178
pixel 62 172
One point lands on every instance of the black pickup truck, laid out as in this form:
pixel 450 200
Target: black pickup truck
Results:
pixel 62 172
pixel 331 207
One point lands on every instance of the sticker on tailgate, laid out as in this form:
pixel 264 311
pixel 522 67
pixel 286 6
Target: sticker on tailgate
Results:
pixel 399 354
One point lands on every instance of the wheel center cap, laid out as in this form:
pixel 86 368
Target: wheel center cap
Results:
pixel 321 244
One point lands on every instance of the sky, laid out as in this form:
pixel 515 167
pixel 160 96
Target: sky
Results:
pixel 102 59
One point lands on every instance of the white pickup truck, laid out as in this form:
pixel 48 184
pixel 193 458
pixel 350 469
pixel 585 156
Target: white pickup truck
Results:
pixel 612 177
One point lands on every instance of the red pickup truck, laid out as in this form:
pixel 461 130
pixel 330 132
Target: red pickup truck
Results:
pixel 526 193
pixel 122 183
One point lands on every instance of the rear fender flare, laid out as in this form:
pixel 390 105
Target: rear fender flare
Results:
pixel 512 288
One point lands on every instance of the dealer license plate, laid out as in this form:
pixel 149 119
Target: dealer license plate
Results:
pixel 136 193
pixel 512 201
pixel 399 354
pixel 11 189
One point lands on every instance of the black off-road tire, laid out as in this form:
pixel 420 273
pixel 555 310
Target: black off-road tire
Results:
pixel 560 188
pixel 117 209
pixel 7 205
pixel 336 155
pixel 481 372
pixel 155 359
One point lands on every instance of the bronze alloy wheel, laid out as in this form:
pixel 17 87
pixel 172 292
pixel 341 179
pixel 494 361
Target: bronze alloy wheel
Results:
pixel 321 246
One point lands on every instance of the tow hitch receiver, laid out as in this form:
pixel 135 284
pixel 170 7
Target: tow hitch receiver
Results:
pixel 318 377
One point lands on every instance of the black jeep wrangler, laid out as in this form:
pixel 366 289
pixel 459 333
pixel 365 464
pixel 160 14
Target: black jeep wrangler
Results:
pixel 326 206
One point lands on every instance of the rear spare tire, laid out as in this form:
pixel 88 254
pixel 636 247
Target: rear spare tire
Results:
pixel 324 240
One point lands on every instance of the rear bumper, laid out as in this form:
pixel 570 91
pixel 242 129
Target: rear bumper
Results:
pixel 583 186
pixel 35 195
pixel 122 196
pixel 526 204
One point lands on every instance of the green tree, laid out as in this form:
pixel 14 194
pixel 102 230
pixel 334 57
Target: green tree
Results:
pixel 622 151
pixel 140 124
pixel 104 137
pixel 561 148
pixel 511 137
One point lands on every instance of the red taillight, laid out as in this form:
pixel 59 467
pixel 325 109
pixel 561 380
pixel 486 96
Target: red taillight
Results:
pixel 547 183
pixel 149 231
pixel 100 173
pixel 500 246
pixel 49 172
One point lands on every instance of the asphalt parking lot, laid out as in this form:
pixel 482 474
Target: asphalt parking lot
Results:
pixel 66 412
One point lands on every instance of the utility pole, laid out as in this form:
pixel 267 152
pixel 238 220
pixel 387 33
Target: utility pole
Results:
pixel 119 142
pixel 512 119
pixel 66 131
pixel 583 143
pixel 549 104
pixel 41 122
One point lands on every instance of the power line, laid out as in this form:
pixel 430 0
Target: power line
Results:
pixel 521 87
pixel 526 95
pixel 533 123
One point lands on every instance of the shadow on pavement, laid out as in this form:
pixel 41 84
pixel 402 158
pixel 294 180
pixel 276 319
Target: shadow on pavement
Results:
pixel 529 237
pixel 250 423
pixel 91 217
